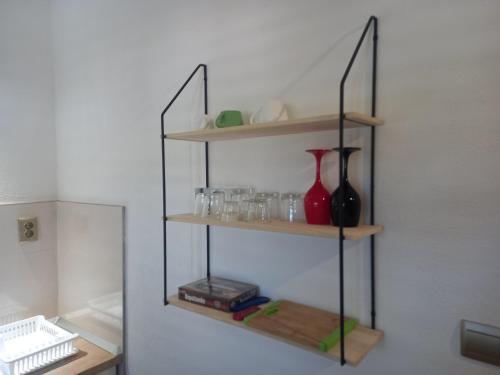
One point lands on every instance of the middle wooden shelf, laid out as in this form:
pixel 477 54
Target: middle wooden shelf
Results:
pixel 327 231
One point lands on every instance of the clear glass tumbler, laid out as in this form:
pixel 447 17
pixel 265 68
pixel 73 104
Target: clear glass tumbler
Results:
pixel 205 205
pixel 216 204
pixel 273 200
pixel 292 207
pixel 255 210
pixel 199 202
pixel 241 194
pixel 231 211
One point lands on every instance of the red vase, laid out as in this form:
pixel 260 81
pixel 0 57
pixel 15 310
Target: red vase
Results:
pixel 317 199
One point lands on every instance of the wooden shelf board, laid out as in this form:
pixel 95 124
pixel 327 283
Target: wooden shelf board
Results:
pixel 357 343
pixel 305 125
pixel 90 360
pixel 327 231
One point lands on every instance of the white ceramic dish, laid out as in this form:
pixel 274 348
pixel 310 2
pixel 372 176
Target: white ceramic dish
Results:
pixel 272 111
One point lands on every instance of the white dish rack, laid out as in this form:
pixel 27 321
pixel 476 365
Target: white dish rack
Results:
pixel 30 344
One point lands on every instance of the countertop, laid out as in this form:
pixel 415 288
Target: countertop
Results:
pixel 90 360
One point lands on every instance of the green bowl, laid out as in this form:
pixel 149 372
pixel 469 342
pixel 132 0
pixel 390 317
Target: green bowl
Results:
pixel 229 118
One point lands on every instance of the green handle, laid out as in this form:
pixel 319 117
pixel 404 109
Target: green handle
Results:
pixel 269 310
pixel 331 340
pixel 272 311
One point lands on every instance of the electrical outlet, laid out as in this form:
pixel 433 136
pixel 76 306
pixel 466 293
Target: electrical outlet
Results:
pixel 27 229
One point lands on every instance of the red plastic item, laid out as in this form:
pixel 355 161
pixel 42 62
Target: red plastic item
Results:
pixel 240 315
pixel 317 199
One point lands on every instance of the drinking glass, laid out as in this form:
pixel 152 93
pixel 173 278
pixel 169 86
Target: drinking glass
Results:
pixel 216 204
pixel 241 194
pixel 292 207
pixel 206 190
pixel 250 190
pixel 255 210
pixel 205 205
pixel 273 200
pixel 231 211
pixel 199 202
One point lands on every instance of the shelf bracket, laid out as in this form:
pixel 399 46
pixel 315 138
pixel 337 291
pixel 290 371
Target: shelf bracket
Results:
pixel 371 21
pixel 164 192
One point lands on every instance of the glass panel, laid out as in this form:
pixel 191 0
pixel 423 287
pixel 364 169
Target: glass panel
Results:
pixel 90 266
pixel 74 270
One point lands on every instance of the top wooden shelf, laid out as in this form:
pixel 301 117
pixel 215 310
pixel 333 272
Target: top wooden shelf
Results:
pixel 296 126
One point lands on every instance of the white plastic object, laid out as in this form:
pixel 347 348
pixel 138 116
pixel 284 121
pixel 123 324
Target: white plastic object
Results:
pixel 272 111
pixel 30 344
pixel 206 122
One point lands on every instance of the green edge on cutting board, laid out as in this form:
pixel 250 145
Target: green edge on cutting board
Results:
pixel 331 340
pixel 269 310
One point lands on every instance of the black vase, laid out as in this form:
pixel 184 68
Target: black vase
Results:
pixel 351 202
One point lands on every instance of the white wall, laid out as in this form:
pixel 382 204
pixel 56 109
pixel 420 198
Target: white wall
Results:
pixel 117 63
pixel 27 131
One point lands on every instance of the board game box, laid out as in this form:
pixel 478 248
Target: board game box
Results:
pixel 218 293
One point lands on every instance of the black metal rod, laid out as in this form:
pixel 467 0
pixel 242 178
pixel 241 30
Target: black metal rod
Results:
pixel 164 192
pixel 164 217
pixel 372 172
pixel 371 20
pixel 207 184
pixel 207 168
pixel 341 226
pixel 182 88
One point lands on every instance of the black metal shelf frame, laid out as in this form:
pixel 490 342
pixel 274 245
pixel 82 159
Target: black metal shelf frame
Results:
pixel 164 185
pixel 372 22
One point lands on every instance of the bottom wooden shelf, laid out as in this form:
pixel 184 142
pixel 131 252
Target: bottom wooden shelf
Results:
pixel 357 343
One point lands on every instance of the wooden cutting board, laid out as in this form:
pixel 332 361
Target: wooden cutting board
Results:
pixel 302 324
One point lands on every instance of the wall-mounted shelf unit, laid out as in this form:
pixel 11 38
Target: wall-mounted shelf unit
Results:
pixel 351 347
